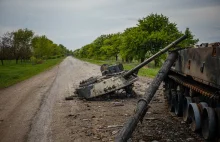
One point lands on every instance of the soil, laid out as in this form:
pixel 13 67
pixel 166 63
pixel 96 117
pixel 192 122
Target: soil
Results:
pixel 36 110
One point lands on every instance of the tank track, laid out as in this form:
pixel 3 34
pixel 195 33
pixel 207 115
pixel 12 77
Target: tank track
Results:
pixel 202 89
pixel 199 109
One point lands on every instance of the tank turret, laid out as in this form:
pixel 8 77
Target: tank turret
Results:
pixel 98 86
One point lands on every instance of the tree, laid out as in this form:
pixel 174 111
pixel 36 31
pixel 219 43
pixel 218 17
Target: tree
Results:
pixel 42 47
pixel 133 44
pixel 76 53
pixel 96 46
pixel 151 34
pixel 6 45
pixel 161 31
pixel 111 45
pixel 22 44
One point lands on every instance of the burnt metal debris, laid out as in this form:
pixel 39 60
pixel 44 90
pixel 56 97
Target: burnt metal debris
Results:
pixel 109 70
pixel 115 79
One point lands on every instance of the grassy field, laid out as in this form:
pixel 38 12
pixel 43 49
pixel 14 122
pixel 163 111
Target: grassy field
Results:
pixel 11 73
pixel 149 71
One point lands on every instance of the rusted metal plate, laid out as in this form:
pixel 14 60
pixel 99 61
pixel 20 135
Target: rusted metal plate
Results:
pixel 202 64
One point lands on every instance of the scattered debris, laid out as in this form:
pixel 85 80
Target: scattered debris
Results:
pixel 115 132
pixel 70 97
pixel 86 119
pixel 118 104
pixel 114 126
pixel 73 115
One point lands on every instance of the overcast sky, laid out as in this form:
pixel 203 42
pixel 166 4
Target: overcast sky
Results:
pixel 75 23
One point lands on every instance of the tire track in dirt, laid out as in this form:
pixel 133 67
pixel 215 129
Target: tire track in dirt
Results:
pixel 19 103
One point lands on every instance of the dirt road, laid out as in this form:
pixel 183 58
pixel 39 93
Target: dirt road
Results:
pixel 36 110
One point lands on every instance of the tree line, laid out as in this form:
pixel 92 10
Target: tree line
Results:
pixel 23 45
pixel 151 34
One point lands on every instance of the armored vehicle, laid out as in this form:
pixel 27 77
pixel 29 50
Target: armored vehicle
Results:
pixel 115 79
pixel 110 70
pixel 191 79
pixel 192 88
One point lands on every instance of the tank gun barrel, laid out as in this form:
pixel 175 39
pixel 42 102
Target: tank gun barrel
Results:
pixel 142 106
pixel 127 74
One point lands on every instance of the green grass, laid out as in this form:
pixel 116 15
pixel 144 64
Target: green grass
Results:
pixel 149 71
pixel 11 73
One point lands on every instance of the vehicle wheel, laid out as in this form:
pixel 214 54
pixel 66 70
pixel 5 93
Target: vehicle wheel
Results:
pixel 209 123
pixel 186 102
pixel 195 116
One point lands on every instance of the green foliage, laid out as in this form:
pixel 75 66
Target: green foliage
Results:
pixel 151 34
pixel 33 60
pixel 22 45
pixel 12 73
pixel 148 72
pixel 45 48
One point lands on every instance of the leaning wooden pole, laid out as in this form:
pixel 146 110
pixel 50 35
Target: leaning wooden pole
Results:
pixel 142 105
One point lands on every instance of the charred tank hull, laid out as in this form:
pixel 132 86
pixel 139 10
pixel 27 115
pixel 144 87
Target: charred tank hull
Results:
pixel 105 85
pixel 202 64
pixel 114 78
pixel 192 89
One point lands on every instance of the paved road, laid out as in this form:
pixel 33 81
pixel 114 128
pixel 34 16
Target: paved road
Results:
pixel 31 110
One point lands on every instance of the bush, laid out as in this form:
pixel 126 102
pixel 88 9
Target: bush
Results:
pixel 52 57
pixel 44 57
pixel 39 61
pixel 33 60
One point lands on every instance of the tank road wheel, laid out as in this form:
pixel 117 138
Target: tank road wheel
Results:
pixel 195 116
pixel 169 96
pixel 179 105
pixel 166 90
pixel 186 102
pixel 201 106
pixel 217 110
pixel 172 99
pixel 209 123
pixel 179 101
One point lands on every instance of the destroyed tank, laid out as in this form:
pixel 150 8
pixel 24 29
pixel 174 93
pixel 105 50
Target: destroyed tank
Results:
pixel 110 70
pixel 192 88
pixel 116 80
pixel 191 79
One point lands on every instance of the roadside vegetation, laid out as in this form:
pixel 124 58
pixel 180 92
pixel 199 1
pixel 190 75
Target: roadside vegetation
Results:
pixel 151 34
pixel 23 54
pixel 12 73
pixel 149 70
